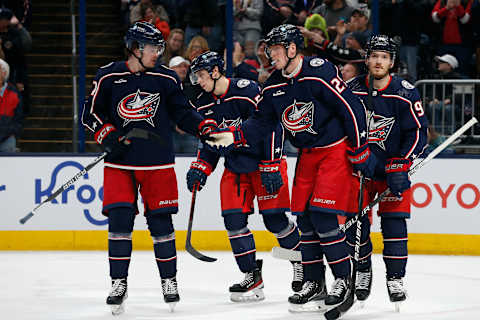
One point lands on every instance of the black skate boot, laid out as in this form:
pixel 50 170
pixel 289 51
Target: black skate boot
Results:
pixel 118 294
pixel 250 289
pixel 310 298
pixel 363 284
pixel 170 292
pixel 396 291
pixel 339 291
pixel 297 281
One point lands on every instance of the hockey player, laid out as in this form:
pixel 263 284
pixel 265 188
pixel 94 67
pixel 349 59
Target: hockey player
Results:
pixel 323 119
pixel 130 95
pixel 398 135
pixel 259 170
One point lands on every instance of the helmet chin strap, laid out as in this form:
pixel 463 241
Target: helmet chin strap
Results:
pixel 214 84
pixel 295 71
pixel 138 58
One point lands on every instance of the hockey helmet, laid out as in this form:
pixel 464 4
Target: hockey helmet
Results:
pixel 284 35
pixel 144 33
pixel 206 61
pixel 384 43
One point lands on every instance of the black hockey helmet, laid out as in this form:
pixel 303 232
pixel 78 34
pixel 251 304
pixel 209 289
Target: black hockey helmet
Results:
pixel 144 33
pixel 206 61
pixel 284 34
pixel 384 43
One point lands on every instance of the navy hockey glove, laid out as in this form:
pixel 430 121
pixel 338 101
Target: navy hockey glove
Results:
pixel 397 175
pixel 112 141
pixel 363 160
pixel 198 173
pixel 206 127
pixel 225 140
pixel 271 175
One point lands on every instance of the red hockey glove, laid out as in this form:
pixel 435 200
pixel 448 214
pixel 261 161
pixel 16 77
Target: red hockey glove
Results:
pixel 362 160
pixel 198 173
pixel 206 127
pixel 271 175
pixel 112 141
pixel 397 175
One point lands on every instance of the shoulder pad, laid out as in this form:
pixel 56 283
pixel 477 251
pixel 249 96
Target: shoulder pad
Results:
pixel 355 84
pixel 243 83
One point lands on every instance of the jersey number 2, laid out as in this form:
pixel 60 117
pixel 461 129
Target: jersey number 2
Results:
pixel 338 84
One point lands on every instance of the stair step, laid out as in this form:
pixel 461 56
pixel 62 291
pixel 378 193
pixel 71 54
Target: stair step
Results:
pixel 53 110
pixel 52 89
pixel 47 133
pixel 63 17
pixel 49 122
pixel 114 50
pixel 47 26
pixel 56 68
pixel 44 58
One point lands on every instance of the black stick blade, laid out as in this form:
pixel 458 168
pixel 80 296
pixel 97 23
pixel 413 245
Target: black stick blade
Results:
pixel 341 309
pixel 197 254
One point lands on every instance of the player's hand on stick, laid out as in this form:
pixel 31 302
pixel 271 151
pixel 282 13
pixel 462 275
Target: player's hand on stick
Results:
pixel 271 175
pixel 225 140
pixel 363 160
pixel 397 175
pixel 112 141
pixel 198 173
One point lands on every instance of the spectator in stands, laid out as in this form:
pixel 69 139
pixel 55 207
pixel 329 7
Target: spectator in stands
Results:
pixel 175 45
pixel 318 43
pixel 454 17
pixel 11 116
pixel 183 142
pixel 434 139
pixel 201 18
pixel 446 67
pixel 277 12
pixel 14 42
pixel 303 9
pixel 149 15
pixel 196 47
pixel 22 10
pixel 246 27
pixel 476 34
pixel 392 17
pixel 136 11
pixel 333 11
pixel 242 69
pixel 350 71
pixel 264 67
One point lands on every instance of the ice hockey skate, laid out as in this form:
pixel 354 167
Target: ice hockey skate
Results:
pixel 396 291
pixel 297 282
pixel 170 292
pixel 363 285
pixel 250 289
pixel 339 292
pixel 117 296
pixel 310 299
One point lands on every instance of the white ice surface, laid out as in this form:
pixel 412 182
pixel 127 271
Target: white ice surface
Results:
pixel 74 285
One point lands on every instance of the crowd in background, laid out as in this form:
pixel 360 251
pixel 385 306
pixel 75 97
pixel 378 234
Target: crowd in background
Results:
pixel 440 39
pixel 15 42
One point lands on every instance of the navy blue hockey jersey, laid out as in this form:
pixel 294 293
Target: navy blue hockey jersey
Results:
pixel 147 100
pixel 398 125
pixel 230 109
pixel 315 107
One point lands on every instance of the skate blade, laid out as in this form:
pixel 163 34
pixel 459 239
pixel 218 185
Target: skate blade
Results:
pixel 117 309
pixel 172 305
pixel 311 306
pixel 397 306
pixel 362 304
pixel 249 296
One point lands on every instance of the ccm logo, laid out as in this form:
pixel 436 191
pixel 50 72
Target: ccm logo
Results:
pixel 199 166
pixel 269 169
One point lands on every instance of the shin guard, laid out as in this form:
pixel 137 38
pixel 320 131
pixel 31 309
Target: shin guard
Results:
pixel 395 252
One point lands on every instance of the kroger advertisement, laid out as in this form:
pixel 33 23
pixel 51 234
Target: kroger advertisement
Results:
pixel 446 196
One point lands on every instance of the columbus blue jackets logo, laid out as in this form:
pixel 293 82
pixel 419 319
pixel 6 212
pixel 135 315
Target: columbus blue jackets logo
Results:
pixel 380 128
pixel 298 117
pixel 139 106
pixel 230 123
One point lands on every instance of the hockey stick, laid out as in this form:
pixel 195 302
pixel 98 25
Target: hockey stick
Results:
pixel 286 254
pixel 188 244
pixel 413 170
pixel 134 133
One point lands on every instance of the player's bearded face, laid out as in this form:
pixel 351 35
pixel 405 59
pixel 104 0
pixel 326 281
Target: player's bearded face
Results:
pixel 278 55
pixel 379 64
pixel 204 80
